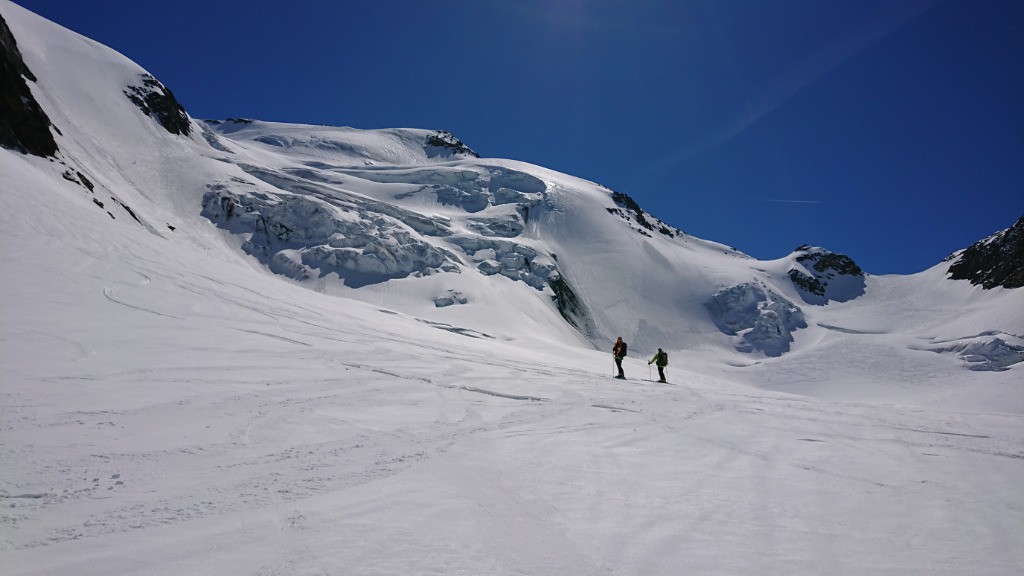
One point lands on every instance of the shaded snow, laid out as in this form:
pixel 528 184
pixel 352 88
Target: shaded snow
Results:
pixel 763 320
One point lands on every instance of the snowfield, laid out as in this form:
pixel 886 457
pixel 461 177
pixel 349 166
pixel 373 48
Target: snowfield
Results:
pixel 208 422
pixel 269 349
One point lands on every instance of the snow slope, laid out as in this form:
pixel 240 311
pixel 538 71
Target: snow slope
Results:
pixel 378 380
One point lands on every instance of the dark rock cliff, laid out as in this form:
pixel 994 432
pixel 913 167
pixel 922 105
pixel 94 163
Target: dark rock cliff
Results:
pixel 23 124
pixel 444 143
pixel 823 276
pixel 157 101
pixel 995 261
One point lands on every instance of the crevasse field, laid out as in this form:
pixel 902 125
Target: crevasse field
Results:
pixel 199 400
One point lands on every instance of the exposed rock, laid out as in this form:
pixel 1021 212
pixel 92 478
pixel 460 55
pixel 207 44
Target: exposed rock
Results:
pixel 24 126
pixel 995 261
pixel 572 309
pixel 126 209
pixel 444 143
pixel 78 178
pixel 157 101
pixel 630 210
pixel 85 181
pixel 822 276
pixel 808 284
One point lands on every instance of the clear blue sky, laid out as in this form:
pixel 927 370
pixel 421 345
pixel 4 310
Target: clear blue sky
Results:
pixel 888 130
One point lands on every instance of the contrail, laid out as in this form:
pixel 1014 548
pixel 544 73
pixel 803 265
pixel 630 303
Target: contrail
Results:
pixel 784 201
pixel 804 73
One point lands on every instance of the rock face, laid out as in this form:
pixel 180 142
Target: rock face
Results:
pixel 444 143
pixel 157 101
pixel 570 306
pixel 762 320
pixel 23 124
pixel 822 276
pixel 629 211
pixel 995 261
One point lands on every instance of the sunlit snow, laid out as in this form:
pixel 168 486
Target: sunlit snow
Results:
pixel 379 381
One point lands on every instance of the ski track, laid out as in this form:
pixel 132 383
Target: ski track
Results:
pixel 276 444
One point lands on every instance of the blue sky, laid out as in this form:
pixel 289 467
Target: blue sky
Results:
pixel 890 130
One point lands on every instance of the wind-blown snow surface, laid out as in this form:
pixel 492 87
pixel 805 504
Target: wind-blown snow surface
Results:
pixel 171 406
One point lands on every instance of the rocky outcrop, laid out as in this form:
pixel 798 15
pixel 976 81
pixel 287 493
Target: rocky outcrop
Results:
pixel 993 262
pixel 24 126
pixel 760 319
pixel 630 211
pixel 444 143
pixel 569 305
pixel 156 101
pixel 821 276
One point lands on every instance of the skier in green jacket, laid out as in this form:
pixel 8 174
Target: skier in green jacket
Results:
pixel 661 358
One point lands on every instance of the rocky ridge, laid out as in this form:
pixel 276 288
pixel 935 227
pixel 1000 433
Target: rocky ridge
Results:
pixel 996 261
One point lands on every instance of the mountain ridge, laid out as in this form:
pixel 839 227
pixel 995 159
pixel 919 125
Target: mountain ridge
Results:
pixel 995 261
pixel 366 214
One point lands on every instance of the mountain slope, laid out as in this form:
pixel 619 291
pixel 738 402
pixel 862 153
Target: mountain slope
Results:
pixel 414 219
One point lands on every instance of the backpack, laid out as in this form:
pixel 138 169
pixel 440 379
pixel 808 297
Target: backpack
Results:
pixel 622 349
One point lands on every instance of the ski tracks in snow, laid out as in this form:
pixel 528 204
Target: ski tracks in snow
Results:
pixel 110 294
pixel 334 441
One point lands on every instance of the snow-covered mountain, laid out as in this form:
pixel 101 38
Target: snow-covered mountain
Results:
pixel 159 268
pixel 414 220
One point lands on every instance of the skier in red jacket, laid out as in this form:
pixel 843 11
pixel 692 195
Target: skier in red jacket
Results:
pixel 619 351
